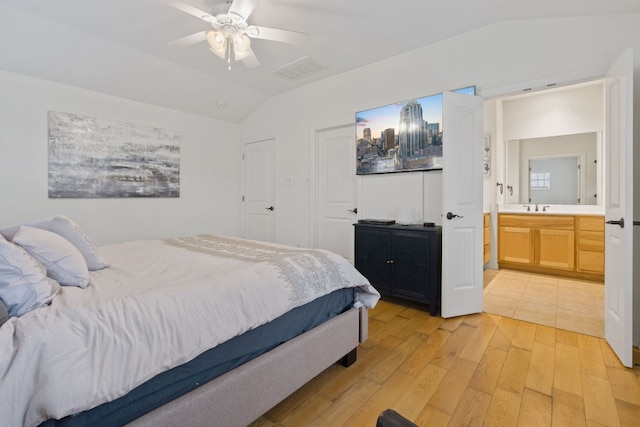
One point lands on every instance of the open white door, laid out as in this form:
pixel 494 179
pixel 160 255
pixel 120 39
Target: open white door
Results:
pixel 618 277
pixel 462 222
pixel 336 154
pixel 258 190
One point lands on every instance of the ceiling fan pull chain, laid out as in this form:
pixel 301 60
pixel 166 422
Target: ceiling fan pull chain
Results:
pixel 229 53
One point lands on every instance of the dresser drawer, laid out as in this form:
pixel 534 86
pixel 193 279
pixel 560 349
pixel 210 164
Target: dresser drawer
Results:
pixel 591 261
pixel 557 222
pixel 591 241
pixel 590 223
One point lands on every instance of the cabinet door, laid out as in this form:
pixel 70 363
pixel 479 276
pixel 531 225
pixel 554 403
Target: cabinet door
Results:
pixel 410 273
pixel 373 257
pixel 556 248
pixel 515 244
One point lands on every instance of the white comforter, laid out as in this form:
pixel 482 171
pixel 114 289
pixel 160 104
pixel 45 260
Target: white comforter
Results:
pixel 160 304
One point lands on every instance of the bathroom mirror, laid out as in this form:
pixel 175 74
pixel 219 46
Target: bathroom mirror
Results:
pixel 554 170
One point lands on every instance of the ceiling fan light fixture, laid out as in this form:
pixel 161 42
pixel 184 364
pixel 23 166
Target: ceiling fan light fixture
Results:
pixel 217 43
pixel 230 30
pixel 241 46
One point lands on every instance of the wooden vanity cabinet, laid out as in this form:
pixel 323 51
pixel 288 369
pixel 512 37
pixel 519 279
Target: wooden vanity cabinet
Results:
pixel 537 241
pixel 565 245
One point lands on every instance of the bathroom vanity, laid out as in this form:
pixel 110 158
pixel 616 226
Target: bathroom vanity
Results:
pixel 570 245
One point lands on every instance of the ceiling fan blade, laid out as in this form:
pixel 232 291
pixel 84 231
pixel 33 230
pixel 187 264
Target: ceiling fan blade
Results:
pixel 243 7
pixel 278 35
pixel 251 61
pixel 189 40
pixel 187 8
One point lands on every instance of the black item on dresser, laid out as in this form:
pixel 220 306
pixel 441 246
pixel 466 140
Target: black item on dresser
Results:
pixel 401 260
pixel 377 221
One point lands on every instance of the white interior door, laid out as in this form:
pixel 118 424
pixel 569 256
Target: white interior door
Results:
pixel 258 190
pixel 618 277
pixel 462 222
pixel 336 179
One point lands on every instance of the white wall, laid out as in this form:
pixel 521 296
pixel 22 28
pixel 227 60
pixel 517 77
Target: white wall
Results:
pixel 209 188
pixel 400 192
pixel 579 109
pixel 490 57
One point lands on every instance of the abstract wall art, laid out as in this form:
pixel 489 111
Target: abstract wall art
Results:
pixel 96 158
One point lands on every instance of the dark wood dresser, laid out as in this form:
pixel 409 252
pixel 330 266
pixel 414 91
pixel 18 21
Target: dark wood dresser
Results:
pixel 401 260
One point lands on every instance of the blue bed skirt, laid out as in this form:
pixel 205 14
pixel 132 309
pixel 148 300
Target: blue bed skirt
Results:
pixel 211 364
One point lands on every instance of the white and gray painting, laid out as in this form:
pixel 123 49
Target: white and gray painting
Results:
pixel 96 158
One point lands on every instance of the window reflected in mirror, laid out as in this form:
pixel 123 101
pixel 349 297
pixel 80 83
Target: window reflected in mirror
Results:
pixel 554 180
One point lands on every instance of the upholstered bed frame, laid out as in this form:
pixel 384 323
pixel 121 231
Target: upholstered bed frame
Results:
pixel 242 395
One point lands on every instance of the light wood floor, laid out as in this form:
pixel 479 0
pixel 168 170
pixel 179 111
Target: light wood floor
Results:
pixel 481 369
pixel 574 305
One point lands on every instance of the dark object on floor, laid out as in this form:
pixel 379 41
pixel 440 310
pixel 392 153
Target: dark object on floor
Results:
pixel 390 418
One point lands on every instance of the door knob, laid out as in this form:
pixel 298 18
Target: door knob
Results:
pixel 452 215
pixel 270 208
pixel 620 222
pixel 354 210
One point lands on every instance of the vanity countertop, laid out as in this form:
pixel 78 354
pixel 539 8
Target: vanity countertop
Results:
pixel 552 210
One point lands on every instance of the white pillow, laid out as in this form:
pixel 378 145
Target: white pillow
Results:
pixel 64 263
pixel 69 230
pixel 24 284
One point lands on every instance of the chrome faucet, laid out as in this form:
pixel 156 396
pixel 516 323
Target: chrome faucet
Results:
pixel 536 207
pixel 528 207
pixel 544 208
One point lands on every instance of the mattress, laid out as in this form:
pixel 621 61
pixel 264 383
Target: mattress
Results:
pixel 159 305
pixel 211 364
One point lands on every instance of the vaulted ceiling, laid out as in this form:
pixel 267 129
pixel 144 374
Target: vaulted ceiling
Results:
pixel 120 47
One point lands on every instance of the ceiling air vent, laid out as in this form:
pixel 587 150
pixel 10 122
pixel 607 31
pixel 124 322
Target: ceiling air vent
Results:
pixel 300 68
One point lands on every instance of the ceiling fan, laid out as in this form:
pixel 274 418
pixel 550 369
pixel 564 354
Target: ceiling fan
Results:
pixel 232 33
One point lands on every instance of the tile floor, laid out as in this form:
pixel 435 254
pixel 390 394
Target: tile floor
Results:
pixel 573 305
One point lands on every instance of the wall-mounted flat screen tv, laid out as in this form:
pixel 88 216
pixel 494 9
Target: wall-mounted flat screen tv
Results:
pixel 401 137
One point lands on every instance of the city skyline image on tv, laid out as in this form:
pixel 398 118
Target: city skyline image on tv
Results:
pixel 401 137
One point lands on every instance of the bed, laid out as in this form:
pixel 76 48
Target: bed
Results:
pixel 200 330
